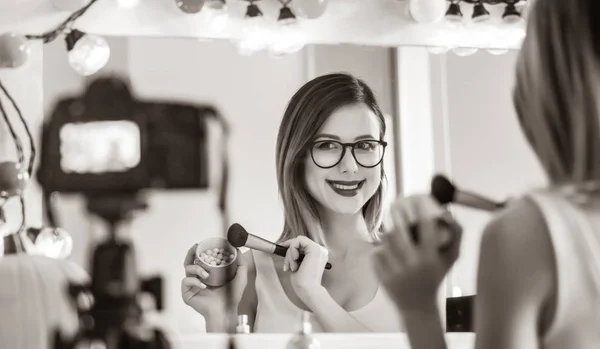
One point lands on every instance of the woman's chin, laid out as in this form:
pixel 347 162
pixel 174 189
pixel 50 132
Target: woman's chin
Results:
pixel 347 208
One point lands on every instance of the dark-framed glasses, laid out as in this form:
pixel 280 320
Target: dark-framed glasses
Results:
pixel 329 153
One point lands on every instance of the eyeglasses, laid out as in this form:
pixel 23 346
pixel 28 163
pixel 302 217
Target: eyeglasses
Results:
pixel 329 153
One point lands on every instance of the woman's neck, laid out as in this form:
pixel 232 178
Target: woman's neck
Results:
pixel 342 232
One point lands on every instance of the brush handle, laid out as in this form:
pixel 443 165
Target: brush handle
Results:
pixel 281 251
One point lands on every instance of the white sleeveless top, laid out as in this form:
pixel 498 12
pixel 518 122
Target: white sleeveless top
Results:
pixel 575 236
pixel 276 313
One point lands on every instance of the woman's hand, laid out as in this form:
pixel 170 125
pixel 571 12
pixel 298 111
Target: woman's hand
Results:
pixel 210 301
pixel 412 272
pixel 306 276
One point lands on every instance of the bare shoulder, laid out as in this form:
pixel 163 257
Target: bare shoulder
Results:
pixel 520 234
pixel 517 260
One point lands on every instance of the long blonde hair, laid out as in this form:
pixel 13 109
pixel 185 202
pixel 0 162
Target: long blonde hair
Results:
pixel 557 92
pixel 305 114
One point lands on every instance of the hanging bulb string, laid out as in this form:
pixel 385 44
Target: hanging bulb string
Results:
pixel 27 130
pixel 21 159
pixel 64 26
pixel 23 214
pixel 16 237
pixel 13 133
pixel 46 37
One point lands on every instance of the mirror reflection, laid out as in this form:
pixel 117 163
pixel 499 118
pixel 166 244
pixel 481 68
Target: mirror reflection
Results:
pixel 312 143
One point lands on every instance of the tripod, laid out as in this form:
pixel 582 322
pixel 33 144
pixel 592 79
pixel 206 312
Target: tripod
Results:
pixel 110 314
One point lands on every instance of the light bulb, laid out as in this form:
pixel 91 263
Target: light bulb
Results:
pixel 454 14
pixel 216 18
pixel 255 37
pixel 14 50
pixel 87 53
pixel 216 4
pixel 55 243
pixel 287 39
pixel 427 11
pixel 13 179
pixel 513 32
pixel 438 50
pixel 127 3
pixel 69 5
pixel 497 51
pixel 511 14
pixel 480 14
pixel 309 9
pixel 190 6
pixel 464 51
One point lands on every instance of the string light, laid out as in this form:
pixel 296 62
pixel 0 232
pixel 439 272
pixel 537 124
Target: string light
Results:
pixel 511 25
pixel 255 37
pixel 216 15
pixel 497 52
pixel 87 54
pixel 216 4
pixel 51 242
pixel 14 50
pixel 288 37
pixel 438 50
pixel 511 13
pixel 426 11
pixel 464 51
pixel 480 13
pixel 454 14
pixel 190 6
pixel 13 179
pixel 310 9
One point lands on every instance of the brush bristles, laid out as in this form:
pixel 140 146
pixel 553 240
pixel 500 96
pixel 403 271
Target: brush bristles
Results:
pixel 237 235
pixel 442 189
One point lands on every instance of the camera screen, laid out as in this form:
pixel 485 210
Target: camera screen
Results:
pixel 99 147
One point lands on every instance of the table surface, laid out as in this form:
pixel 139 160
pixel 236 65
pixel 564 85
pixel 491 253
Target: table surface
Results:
pixel 346 341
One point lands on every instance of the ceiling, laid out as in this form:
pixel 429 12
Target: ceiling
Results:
pixel 368 22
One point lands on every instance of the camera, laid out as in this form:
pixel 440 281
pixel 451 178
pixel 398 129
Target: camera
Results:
pixel 107 141
pixel 110 146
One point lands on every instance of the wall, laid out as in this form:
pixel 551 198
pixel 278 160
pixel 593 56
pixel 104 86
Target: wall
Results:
pixel 484 150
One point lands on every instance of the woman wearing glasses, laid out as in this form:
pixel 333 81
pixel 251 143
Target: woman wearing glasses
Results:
pixel 330 150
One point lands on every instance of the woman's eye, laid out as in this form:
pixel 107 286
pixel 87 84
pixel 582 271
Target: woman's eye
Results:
pixel 326 145
pixel 365 145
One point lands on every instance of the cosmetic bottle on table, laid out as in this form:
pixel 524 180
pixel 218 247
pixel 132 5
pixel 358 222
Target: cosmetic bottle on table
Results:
pixel 304 339
pixel 242 325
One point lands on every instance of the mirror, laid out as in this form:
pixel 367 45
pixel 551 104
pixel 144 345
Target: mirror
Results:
pixel 251 94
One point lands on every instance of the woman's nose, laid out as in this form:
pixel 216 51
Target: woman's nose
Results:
pixel 348 164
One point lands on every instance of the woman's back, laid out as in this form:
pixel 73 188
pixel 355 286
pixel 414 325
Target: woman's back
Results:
pixel 573 222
